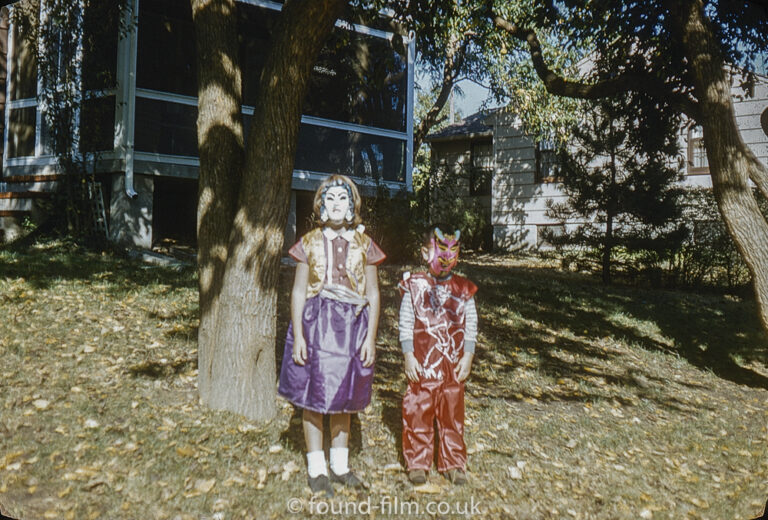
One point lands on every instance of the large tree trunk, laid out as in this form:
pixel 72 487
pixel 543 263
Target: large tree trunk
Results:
pixel 731 163
pixel 244 196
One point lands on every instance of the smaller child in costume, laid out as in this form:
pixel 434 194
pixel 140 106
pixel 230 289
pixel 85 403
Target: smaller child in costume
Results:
pixel 327 364
pixel 438 331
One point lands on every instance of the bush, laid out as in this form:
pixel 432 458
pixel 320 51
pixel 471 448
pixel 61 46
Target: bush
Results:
pixel 709 257
pixel 389 221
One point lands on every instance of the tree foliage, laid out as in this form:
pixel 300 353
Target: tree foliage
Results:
pixel 618 173
pixel 685 54
pixel 62 35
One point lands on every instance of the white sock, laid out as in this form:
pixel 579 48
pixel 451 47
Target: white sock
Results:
pixel 316 464
pixel 340 460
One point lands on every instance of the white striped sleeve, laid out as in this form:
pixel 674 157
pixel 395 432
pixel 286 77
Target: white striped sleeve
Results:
pixel 406 323
pixel 470 325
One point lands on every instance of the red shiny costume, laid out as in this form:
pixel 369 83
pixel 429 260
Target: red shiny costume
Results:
pixel 438 344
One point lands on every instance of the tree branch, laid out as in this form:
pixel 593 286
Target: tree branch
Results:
pixel 759 175
pixel 628 81
pixel 454 59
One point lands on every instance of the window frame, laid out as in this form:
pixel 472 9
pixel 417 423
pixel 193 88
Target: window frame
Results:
pixel 539 178
pixel 692 143
pixel 478 186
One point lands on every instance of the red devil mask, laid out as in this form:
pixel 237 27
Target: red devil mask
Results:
pixel 443 252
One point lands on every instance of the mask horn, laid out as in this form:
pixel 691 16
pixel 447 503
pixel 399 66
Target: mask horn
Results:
pixel 439 234
pixel 457 234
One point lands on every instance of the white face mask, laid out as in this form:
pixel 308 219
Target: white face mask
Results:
pixel 337 203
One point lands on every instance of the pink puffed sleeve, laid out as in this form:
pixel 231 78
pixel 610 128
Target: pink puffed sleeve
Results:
pixel 297 253
pixel 375 254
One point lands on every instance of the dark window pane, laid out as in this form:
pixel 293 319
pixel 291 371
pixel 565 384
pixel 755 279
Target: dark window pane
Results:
pixel 23 67
pixel 481 169
pixel 163 127
pixel 97 124
pixel 330 150
pixel 21 132
pixel 358 78
pixel 101 24
pixel 166 47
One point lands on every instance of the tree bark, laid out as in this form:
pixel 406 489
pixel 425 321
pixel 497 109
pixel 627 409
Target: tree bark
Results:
pixel 610 213
pixel 731 163
pixel 245 194
pixel 221 152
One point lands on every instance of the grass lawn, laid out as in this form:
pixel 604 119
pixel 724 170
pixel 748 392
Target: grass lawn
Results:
pixel 584 402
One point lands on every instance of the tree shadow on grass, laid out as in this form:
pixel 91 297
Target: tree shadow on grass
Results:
pixel 707 331
pixel 45 264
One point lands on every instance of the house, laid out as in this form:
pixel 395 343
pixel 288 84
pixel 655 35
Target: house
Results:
pixel 463 166
pixel 138 116
pixel 523 179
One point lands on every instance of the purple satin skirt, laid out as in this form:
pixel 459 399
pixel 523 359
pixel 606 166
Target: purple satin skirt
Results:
pixel 333 379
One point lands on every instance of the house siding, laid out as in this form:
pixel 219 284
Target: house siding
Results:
pixel 519 203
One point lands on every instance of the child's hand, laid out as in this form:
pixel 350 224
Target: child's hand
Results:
pixel 368 352
pixel 299 350
pixel 412 367
pixel 464 366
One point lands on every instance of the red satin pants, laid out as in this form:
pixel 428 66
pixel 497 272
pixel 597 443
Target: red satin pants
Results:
pixel 425 402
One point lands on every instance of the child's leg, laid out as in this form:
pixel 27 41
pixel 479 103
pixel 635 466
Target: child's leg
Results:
pixel 418 429
pixel 313 430
pixel 452 452
pixel 340 443
pixel 313 438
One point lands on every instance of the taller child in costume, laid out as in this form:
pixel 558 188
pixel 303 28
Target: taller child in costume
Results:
pixel 438 331
pixel 330 348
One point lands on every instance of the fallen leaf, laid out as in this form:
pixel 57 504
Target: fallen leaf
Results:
pixel 204 486
pixel 91 424
pixel 185 451
pixel 261 478
pixel 428 488
pixel 94 483
pixel 289 469
pixel 40 404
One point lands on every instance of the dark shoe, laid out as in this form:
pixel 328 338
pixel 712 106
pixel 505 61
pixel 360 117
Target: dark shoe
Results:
pixel 417 476
pixel 349 479
pixel 456 476
pixel 321 483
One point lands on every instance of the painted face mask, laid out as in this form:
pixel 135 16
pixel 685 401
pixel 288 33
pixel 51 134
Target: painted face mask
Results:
pixel 337 203
pixel 444 252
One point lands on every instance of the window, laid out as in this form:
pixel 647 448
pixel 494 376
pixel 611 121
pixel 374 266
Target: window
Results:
pixel 165 127
pixel 697 153
pixel 23 67
pixel 481 168
pixel 97 124
pixel 359 79
pixel 330 150
pixel 21 132
pixel 101 26
pixel 166 25
pixel 546 162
